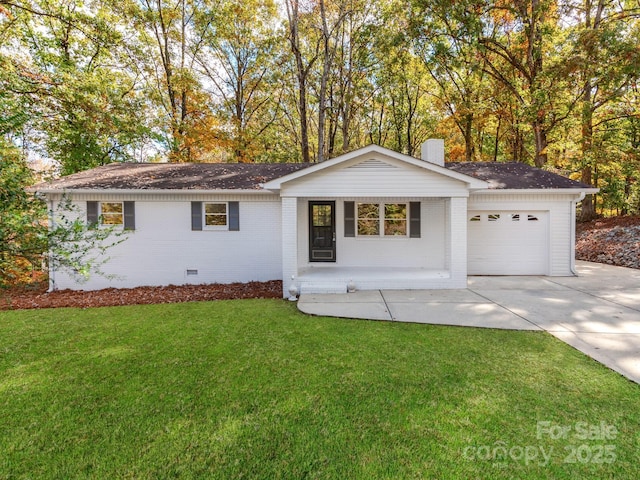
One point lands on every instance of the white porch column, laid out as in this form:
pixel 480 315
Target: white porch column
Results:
pixel 289 242
pixel 458 241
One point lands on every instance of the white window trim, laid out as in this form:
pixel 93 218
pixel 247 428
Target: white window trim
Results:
pixel 215 227
pixel 381 220
pixel 101 215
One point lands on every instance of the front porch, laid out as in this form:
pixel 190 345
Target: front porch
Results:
pixel 377 217
pixel 335 279
pixel 432 256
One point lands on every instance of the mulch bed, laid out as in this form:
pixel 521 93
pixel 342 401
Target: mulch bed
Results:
pixel 37 297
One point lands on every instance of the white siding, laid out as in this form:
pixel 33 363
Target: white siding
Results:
pixel 389 262
pixel 375 176
pixel 273 239
pixel 427 252
pixel 559 207
pixel 163 246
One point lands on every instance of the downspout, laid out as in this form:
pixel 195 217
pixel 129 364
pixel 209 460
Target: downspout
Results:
pixel 52 270
pixel 572 246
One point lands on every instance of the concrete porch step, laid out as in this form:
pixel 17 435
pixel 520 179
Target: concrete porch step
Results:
pixel 309 287
pixel 334 279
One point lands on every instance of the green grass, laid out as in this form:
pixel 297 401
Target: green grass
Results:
pixel 254 389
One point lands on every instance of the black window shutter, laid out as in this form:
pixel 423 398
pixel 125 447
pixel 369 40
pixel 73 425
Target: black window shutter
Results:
pixel 414 219
pixel 196 215
pixel 129 215
pixel 349 219
pixel 92 213
pixel 234 216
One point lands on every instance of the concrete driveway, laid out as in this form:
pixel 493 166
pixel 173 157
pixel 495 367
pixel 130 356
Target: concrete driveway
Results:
pixel 597 312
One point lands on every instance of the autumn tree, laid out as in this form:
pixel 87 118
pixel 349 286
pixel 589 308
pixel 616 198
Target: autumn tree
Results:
pixel 449 55
pixel 515 42
pixel 237 56
pixel 166 47
pixel 350 83
pixel 63 68
pixel 305 50
pixel 605 62
pixel 30 238
pixel 549 82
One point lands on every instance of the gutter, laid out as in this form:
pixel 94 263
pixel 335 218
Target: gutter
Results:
pixel 572 245
pixel 134 191
pixel 510 191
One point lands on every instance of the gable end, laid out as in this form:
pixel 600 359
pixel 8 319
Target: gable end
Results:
pixel 373 163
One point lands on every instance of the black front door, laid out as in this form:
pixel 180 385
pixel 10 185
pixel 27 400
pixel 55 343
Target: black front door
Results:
pixel 322 231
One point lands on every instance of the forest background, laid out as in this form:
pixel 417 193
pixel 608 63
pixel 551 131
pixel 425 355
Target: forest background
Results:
pixel 86 83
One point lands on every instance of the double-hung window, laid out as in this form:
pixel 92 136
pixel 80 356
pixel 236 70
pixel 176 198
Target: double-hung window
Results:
pixel 382 219
pixel 215 215
pixel 368 219
pixel 395 219
pixel 111 213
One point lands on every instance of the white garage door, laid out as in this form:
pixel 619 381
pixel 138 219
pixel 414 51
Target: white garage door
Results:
pixel 508 242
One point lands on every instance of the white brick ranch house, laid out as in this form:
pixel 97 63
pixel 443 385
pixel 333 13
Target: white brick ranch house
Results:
pixel 373 217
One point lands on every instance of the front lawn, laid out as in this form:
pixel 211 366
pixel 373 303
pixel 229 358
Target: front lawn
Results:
pixel 254 389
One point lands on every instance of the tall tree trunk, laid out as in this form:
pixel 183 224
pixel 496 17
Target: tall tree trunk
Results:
pixel 518 145
pixel 239 151
pixel 626 194
pixel 468 137
pixel 329 53
pixel 304 125
pixel 497 141
pixel 322 95
pixel 588 211
pixel 346 125
pixel 184 110
pixel 176 93
pixel 301 76
pixel 541 143
pixel 346 99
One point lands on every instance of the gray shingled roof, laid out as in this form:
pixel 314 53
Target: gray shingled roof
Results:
pixel 514 175
pixel 174 176
pixel 250 176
